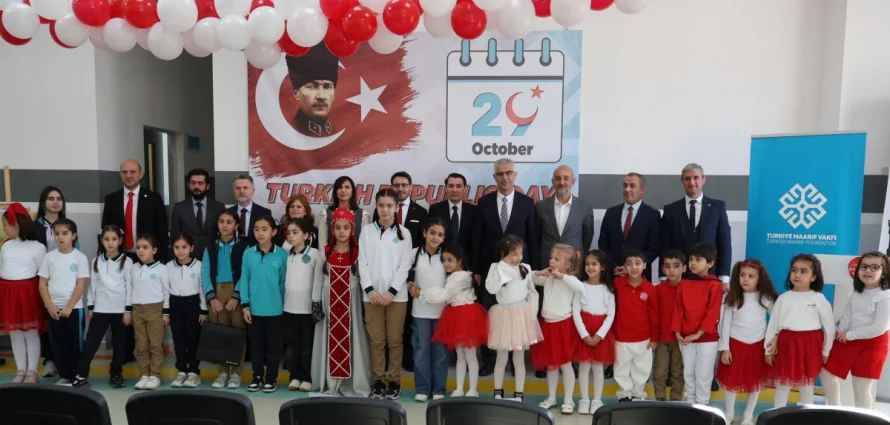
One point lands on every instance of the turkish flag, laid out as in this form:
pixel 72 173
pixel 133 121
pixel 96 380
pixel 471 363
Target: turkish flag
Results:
pixel 360 128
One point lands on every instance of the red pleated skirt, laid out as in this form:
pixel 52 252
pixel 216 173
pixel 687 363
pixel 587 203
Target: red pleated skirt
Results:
pixel 21 308
pixel 799 358
pixel 558 346
pixel 748 372
pixel 604 352
pixel 462 326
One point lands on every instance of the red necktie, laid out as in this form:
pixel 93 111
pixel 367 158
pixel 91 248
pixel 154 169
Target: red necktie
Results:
pixel 627 221
pixel 128 226
pixel 399 217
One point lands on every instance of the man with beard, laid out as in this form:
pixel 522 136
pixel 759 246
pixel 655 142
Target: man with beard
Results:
pixel 314 80
pixel 197 214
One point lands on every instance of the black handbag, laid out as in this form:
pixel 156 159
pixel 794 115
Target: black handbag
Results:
pixel 221 344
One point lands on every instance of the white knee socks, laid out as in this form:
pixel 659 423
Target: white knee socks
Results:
pixel 832 386
pixel 781 398
pixel 519 368
pixel 806 394
pixel 25 349
pixel 729 398
pixel 863 396
pixel 752 403
pixel 584 381
pixel 568 382
pixel 473 366
pixel 500 367
pixel 461 368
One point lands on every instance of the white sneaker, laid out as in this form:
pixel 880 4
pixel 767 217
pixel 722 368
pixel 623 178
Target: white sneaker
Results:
pixel 548 403
pixel 193 380
pixel 458 393
pixel 220 380
pixel 568 407
pixel 472 394
pixel 153 383
pixel 306 386
pixel 49 370
pixel 584 406
pixel 421 398
pixel 294 385
pixel 594 405
pixel 178 380
pixel 747 421
pixel 63 382
pixel 438 396
pixel 234 381
pixel 141 384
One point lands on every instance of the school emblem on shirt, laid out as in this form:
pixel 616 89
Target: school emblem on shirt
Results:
pixel 306 259
pixel 73 268
pixel 644 296
pixel 194 275
pixel 119 271
pixel 395 240
pixel 275 263
pixel 153 277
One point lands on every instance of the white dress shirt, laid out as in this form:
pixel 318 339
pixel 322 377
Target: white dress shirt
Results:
pixel 185 281
pixel 304 271
pixel 867 314
pixel 460 210
pixel 746 324
pixel 384 261
pixel 636 211
pixel 562 212
pixel 135 209
pixel 509 204
pixel 697 207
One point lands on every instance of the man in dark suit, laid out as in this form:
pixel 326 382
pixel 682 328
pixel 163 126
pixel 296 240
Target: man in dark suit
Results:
pixel 245 208
pixel 631 225
pixel 458 214
pixel 563 218
pixel 139 212
pixel 503 212
pixel 197 215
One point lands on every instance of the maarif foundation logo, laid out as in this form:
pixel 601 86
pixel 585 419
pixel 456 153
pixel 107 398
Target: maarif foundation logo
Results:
pixel 803 206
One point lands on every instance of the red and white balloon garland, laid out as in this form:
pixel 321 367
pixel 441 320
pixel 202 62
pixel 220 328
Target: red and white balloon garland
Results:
pixel 263 29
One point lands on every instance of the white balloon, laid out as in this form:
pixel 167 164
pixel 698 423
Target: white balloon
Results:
pixel 263 56
pixel 631 6
pixel 514 20
pixel 437 8
pixel 4 3
pixel 164 43
pixel 71 32
pixel 141 37
pixel 285 7
pixel 375 5
pixel 307 27
pixel 384 41
pixel 97 38
pixel 266 25
pixel 490 5
pixel 119 35
pixel 21 20
pixel 178 15
pixel 232 7
pixel 52 9
pixel 312 4
pixel 568 12
pixel 438 26
pixel 188 43
pixel 204 35
pixel 233 33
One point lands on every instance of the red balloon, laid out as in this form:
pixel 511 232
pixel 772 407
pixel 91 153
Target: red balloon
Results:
pixel 600 5
pixel 206 9
pixel 290 48
pixel 260 3
pixel 401 17
pixel 359 24
pixel 52 33
pixel 468 20
pixel 419 7
pixel 42 19
pixel 93 13
pixel 118 12
pixel 335 10
pixel 140 13
pixel 6 36
pixel 542 8
pixel 337 43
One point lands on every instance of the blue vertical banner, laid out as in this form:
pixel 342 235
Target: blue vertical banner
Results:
pixel 804 196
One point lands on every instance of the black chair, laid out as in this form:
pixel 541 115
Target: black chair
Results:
pixel 23 404
pixel 658 413
pixel 809 414
pixel 480 411
pixel 341 411
pixel 193 407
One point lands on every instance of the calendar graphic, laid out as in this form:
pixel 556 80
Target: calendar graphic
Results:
pixel 505 103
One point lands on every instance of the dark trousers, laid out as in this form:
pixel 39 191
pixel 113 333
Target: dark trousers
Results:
pixel 66 335
pixel 99 324
pixel 46 347
pixel 184 314
pixel 407 347
pixel 265 346
pixel 299 331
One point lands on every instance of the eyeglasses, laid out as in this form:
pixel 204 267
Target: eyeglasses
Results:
pixel 504 173
pixel 871 267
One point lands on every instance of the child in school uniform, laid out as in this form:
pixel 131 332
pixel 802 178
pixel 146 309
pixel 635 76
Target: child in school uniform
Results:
pixel 262 296
pixel 800 331
pixel 668 358
pixel 384 260
pixel 150 311
pixel 305 267
pixel 188 310
pixel 593 310
pixel 862 338
pixel 107 297
pixel 220 271
pixel 636 328
pixel 63 280
pixel 695 321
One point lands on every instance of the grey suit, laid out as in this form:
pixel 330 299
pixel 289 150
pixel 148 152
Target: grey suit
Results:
pixel 578 230
pixel 182 220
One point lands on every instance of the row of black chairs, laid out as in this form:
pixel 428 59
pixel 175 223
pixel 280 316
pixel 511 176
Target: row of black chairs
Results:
pixel 53 405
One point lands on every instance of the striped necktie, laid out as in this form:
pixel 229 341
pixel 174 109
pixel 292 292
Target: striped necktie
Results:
pixel 504 218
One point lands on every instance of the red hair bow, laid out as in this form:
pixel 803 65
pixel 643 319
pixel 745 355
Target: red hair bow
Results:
pixel 12 211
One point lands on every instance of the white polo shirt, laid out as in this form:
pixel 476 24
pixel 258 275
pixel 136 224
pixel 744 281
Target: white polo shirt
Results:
pixel 62 271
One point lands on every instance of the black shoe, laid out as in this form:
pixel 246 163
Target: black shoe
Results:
pixel 117 381
pixel 486 370
pixel 498 393
pixel 394 391
pixel 270 387
pixel 540 374
pixel 256 385
pixel 80 382
pixel 660 399
pixel 379 392
pixel 408 367
pixel 519 396
pixel 609 372
pixel 575 368
pixel 715 386
pixel 668 383
pixel 626 400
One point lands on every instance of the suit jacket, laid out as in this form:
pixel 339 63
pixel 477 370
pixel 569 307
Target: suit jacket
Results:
pixel 256 212
pixel 464 238
pixel 151 217
pixel 414 220
pixel 182 220
pixel 645 235
pixel 487 231
pixel 578 230
pixel 713 229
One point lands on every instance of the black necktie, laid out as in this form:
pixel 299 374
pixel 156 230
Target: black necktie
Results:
pixel 243 222
pixel 199 217
pixel 690 226
pixel 455 225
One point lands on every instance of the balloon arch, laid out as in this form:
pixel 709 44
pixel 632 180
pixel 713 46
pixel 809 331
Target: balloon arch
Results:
pixel 264 29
